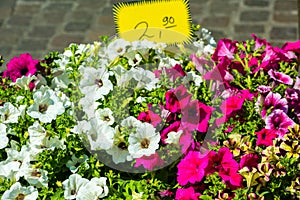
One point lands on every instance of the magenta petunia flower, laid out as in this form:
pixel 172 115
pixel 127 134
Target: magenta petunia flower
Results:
pixel 292 46
pixel 191 168
pixel 259 42
pixel 273 101
pixel 20 66
pixel 265 137
pixel 280 77
pixel 150 117
pixel 249 160
pixel 191 115
pixel 204 116
pixel 223 163
pixel 231 104
pixel 186 141
pixel 201 63
pixel 225 48
pixel 220 71
pixel 177 98
pixel 270 59
pixel 149 162
pixel 187 194
pixel 279 122
pixel 173 72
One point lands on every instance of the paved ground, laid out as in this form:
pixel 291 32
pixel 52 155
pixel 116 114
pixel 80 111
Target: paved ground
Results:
pixel 40 26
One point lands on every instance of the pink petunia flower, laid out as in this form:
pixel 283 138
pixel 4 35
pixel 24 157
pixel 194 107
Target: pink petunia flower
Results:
pixel 279 122
pixel 150 117
pixel 280 77
pixel 220 72
pixel 225 48
pixel 177 98
pixel 265 137
pixel 149 162
pixel 20 66
pixel 187 194
pixel 191 168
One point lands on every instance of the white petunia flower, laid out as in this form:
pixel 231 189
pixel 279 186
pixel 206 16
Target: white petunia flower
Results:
pixel 119 153
pixel 131 122
pixel 100 136
pixel 116 48
pixel 192 77
pixel 16 191
pixel 75 163
pixel 145 78
pixel 3 136
pixel 95 82
pixel 47 105
pixel 135 60
pixel 167 63
pixel 173 137
pixel 96 188
pixel 36 133
pixel 9 170
pixel 36 177
pixel 72 185
pixel 48 143
pixel 24 82
pixel 61 81
pixel 105 115
pixel 122 75
pixel 82 127
pixel 89 105
pixel 9 113
pixel 144 142
pixel 119 149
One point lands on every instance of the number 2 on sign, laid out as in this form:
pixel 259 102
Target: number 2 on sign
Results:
pixel 168 22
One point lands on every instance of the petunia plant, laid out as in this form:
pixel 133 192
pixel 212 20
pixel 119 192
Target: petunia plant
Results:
pixel 141 120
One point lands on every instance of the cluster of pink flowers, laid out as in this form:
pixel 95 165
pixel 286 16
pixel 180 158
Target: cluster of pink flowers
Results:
pixel 278 113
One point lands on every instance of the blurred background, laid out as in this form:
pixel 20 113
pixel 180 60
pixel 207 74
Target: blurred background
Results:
pixel 41 26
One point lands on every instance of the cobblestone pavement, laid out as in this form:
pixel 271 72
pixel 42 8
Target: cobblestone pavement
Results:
pixel 40 26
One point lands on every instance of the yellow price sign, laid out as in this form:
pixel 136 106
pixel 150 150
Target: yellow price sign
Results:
pixel 167 21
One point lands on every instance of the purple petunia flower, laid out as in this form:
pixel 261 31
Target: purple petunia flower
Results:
pixel 274 101
pixel 280 77
pixel 21 66
pixel 279 122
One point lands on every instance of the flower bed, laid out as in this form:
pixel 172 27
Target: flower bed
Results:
pixel 140 120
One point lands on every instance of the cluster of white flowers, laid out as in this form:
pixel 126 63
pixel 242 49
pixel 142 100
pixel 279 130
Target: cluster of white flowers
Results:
pixel 79 188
